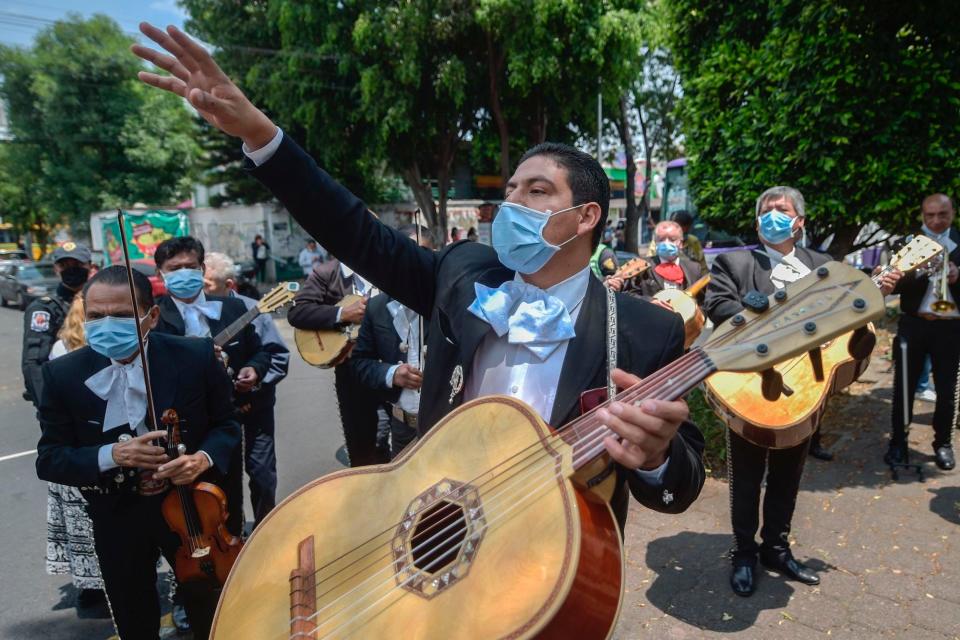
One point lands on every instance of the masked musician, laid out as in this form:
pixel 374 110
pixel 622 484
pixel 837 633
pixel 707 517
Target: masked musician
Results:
pixel 780 218
pixel 93 416
pixel 388 359
pixel 929 325
pixel 525 318
pixel 669 268
pixel 315 308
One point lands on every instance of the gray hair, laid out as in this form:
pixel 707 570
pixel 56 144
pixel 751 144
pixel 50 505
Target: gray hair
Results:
pixel 791 194
pixel 220 267
pixel 668 224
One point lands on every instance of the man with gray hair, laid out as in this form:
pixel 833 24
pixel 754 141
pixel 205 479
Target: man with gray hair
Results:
pixel 780 218
pixel 256 416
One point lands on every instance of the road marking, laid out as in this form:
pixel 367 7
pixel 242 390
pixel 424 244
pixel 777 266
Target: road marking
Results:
pixel 18 455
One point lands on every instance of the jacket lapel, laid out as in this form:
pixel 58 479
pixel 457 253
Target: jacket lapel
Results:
pixel 473 329
pixel 586 353
pixel 171 315
pixel 761 272
pixel 160 379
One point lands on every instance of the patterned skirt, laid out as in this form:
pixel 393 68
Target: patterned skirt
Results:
pixel 70 538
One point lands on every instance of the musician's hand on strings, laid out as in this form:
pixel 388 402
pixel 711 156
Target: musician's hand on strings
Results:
pixel 645 431
pixel 889 281
pixel 407 377
pixel 183 469
pixel 246 379
pixel 353 314
pixel 140 451
pixel 951 273
pixel 614 283
pixel 195 76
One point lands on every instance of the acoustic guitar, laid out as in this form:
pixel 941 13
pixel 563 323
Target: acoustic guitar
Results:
pixel 684 302
pixel 328 348
pixel 782 406
pixel 485 528
pixel 278 297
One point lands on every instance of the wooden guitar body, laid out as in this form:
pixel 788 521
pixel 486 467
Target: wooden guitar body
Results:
pixel 790 419
pixel 460 537
pixel 328 348
pixel 686 305
pixel 192 563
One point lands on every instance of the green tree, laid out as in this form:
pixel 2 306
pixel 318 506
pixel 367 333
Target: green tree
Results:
pixel 87 134
pixel 854 103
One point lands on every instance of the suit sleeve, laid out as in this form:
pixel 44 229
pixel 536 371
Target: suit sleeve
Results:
pixel 311 310
pixel 342 224
pixel 722 299
pixel 58 458
pixel 223 431
pixel 365 358
pixel 683 478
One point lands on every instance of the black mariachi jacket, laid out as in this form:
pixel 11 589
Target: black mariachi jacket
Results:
pixel 440 286
pixel 186 376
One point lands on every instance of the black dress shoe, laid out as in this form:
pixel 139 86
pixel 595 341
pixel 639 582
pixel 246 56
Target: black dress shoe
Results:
pixel 784 562
pixel 742 581
pixel 896 454
pixel 943 456
pixel 820 453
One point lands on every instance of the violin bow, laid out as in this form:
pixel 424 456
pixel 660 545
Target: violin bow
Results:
pixel 151 416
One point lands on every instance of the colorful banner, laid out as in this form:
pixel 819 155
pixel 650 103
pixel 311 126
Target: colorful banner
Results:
pixel 145 231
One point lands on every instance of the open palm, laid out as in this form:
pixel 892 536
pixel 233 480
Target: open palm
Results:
pixel 195 76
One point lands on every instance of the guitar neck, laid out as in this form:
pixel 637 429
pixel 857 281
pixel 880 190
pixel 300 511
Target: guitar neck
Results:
pixel 586 434
pixel 236 326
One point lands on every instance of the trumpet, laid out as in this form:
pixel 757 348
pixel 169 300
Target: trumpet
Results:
pixel 942 304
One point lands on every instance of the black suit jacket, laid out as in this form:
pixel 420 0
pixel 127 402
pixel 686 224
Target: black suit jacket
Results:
pixel 736 273
pixel 912 287
pixel 378 349
pixel 440 286
pixel 315 305
pixel 185 376
pixel 244 350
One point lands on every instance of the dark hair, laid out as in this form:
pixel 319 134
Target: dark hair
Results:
pixel 682 218
pixel 115 276
pixel 175 246
pixel 410 231
pixel 586 178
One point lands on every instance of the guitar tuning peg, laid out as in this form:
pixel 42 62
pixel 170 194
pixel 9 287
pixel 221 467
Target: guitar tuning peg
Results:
pixel 771 384
pixel 816 361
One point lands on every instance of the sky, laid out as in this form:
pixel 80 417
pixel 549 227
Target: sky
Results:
pixel 20 20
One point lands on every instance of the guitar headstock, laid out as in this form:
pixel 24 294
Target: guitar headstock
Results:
pixel 834 299
pixel 916 253
pixel 280 295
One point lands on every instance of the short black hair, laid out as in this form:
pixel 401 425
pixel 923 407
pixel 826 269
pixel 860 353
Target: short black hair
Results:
pixel 587 179
pixel 175 246
pixel 682 218
pixel 116 275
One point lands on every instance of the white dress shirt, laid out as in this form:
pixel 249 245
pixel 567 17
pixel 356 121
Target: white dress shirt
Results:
pixel 785 268
pixel 195 314
pixel 406 322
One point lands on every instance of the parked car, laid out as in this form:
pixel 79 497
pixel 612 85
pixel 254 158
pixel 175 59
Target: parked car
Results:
pixel 14 254
pixel 22 282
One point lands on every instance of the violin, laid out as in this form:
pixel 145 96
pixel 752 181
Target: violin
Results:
pixel 198 514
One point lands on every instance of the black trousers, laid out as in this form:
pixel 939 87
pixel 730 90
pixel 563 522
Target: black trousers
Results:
pixel 400 436
pixel 358 415
pixel 129 540
pixel 940 339
pixel 260 460
pixel 746 466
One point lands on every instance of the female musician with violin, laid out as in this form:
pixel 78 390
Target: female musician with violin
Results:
pixel 97 436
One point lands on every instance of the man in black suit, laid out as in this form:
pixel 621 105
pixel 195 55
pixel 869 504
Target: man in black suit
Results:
pixel 926 328
pixel 780 215
pixel 387 358
pixel 545 344
pixel 188 311
pixel 95 436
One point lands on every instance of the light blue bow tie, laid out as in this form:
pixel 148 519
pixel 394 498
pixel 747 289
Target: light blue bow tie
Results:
pixel 527 315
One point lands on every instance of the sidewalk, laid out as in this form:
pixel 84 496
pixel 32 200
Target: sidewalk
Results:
pixel 888 553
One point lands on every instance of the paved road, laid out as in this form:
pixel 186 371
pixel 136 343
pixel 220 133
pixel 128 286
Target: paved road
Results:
pixel 37 606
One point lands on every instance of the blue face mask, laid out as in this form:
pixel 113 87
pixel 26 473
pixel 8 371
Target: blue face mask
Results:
pixel 667 251
pixel 518 237
pixel 184 283
pixel 115 338
pixel 776 226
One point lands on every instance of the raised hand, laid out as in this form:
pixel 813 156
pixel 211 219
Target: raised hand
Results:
pixel 195 76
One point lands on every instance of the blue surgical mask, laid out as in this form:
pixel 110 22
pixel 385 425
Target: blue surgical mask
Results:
pixel 667 250
pixel 518 237
pixel 184 283
pixel 776 226
pixel 115 338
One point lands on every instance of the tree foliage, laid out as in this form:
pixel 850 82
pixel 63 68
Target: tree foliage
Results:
pixel 854 103
pixel 87 134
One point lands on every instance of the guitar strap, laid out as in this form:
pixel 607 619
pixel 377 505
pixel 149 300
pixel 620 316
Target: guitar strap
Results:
pixel 611 341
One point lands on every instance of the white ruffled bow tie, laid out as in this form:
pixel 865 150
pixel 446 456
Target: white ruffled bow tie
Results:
pixel 191 316
pixel 122 386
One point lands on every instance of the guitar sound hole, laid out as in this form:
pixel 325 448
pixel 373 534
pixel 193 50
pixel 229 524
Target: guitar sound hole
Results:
pixel 438 536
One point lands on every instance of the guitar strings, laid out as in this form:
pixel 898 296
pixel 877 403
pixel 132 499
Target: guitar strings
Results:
pixel 582 451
